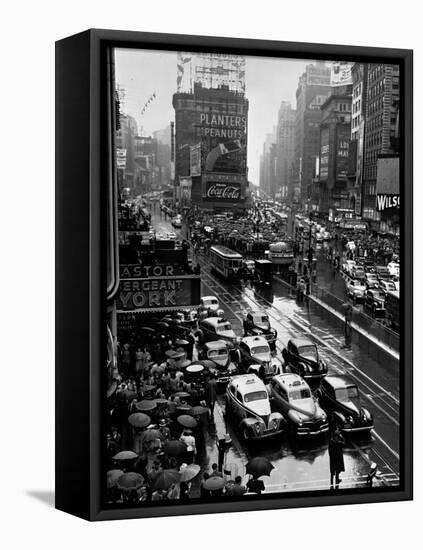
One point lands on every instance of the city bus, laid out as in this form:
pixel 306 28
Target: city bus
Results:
pixel 225 261
pixel 282 253
pixel 392 306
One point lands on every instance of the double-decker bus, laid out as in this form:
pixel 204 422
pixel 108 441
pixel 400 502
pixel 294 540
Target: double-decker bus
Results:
pixel 282 253
pixel 225 261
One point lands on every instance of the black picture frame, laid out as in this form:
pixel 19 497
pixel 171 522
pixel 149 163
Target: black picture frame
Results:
pixel 81 165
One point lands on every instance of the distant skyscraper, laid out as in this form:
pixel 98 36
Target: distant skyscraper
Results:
pixel 285 149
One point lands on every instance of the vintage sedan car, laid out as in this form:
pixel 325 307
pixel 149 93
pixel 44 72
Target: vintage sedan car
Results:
pixel 387 286
pixel 374 302
pixel 257 323
pixel 355 289
pixel 301 357
pixel 216 328
pixel 357 272
pixel 291 396
pixel 217 353
pixel 210 304
pixel 347 266
pixel 371 280
pixel 340 398
pixel 254 355
pixel 248 405
pixel 382 273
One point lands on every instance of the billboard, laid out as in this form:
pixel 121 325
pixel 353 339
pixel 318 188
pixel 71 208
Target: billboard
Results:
pixel 340 73
pixel 324 154
pixel 387 201
pixel 222 187
pixel 120 157
pixel 343 136
pixel 158 293
pixel 195 160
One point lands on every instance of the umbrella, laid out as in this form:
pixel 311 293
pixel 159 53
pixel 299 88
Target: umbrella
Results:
pixel 147 387
pixel 181 342
pixel 145 405
pixel 174 447
pixel 198 410
pixel 184 364
pixel 161 401
pixel 171 353
pixel 139 420
pixel 165 479
pixel 182 394
pixel 112 477
pixel 125 455
pixel 147 329
pixel 195 369
pixel 151 435
pixel 177 355
pixel 183 409
pixel 259 466
pixel 163 324
pixel 130 481
pixel 189 472
pixel 187 421
pixel 214 483
pixel 206 363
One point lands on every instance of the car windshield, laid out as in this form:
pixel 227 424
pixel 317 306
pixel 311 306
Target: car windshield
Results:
pixel 255 396
pixel 261 319
pixel 223 327
pixel 294 395
pixel 346 394
pixel 390 286
pixel 308 351
pixel 259 349
pixel 213 302
pixel 222 352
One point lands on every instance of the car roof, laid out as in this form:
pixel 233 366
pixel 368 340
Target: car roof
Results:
pixel 214 321
pixel 215 344
pixel 248 382
pixel 208 298
pixel 251 340
pixel 291 380
pixel 298 342
pixel 338 382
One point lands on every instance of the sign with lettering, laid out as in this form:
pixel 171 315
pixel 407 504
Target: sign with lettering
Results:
pixel 385 201
pixel 158 293
pixel 342 151
pixel 223 191
pixel 324 154
pixel 223 126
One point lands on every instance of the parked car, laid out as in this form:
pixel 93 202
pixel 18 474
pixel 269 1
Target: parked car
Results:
pixel 357 272
pixel 341 399
pixel 210 304
pixel 371 280
pixel 257 323
pixel 254 355
pixel 382 272
pixel 292 396
pixel 216 328
pixel 387 285
pixel 218 353
pixel 374 302
pixel 355 289
pixel 248 406
pixel 301 357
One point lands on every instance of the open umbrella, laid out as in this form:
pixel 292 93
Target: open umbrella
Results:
pixel 130 481
pixel 165 479
pixel 174 447
pixel 181 342
pixel 189 472
pixel 112 477
pixel 206 363
pixel 147 387
pixel 185 363
pixel 163 324
pixel 182 394
pixel 171 353
pixel 147 329
pixel 214 483
pixel 139 420
pixel 259 466
pixel 145 405
pixel 151 435
pixel 125 455
pixel 187 421
pixel 198 410
pixel 195 369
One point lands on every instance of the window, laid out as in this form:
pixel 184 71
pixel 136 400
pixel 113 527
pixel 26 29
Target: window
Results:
pixel 255 396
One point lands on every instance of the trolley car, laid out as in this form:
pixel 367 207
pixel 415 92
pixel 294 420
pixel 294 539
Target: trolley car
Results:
pixel 225 261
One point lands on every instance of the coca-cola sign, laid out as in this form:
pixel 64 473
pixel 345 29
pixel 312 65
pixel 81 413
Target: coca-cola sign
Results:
pixel 223 191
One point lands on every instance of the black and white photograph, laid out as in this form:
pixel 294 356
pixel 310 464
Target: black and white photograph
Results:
pixel 253 324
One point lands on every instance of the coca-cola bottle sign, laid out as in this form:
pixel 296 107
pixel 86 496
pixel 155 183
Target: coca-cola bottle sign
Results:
pixel 223 191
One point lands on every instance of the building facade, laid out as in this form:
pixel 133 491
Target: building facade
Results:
pixel 268 177
pixel 312 91
pixel 285 150
pixel 381 131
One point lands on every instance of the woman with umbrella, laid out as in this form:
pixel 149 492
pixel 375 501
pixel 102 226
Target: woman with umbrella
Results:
pixel 257 467
pixel 336 456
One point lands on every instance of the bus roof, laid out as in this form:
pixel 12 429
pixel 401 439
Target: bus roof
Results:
pixel 225 251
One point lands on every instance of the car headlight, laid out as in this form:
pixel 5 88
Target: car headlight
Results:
pixel 275 423
pixel 257 427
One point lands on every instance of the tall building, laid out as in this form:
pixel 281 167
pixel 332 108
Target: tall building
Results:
pixel 312 91
pixel 268 179
pixel 335 136
pixel 211 121
pixel 285 149
pixel 381 130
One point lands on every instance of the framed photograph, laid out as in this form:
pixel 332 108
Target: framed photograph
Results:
pixel 234 218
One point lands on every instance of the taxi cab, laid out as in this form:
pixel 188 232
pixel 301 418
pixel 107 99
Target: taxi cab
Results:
pixel 248 406
pixel 254 355
pixel 216 328
pixel 217 352
pixel 291 395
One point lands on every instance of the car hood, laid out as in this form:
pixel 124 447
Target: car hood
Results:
pixel 228 334
pixel 262 357
pixel 260 407
pixel 353 406
pixel 306 409
pixel 263 326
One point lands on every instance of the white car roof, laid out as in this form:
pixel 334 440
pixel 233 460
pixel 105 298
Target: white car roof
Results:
pixel 203 298
pixel 248 383
pixel 255 341
pixel 291 380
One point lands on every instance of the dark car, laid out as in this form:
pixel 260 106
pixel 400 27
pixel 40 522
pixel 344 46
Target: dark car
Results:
pixel 374 302
pixel 301 357
pixel 340 398
pixel 218 358
pixel 382 273
pixel 254 355
pixel 258 324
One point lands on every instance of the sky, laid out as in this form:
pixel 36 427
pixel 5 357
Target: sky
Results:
pixel 268 82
